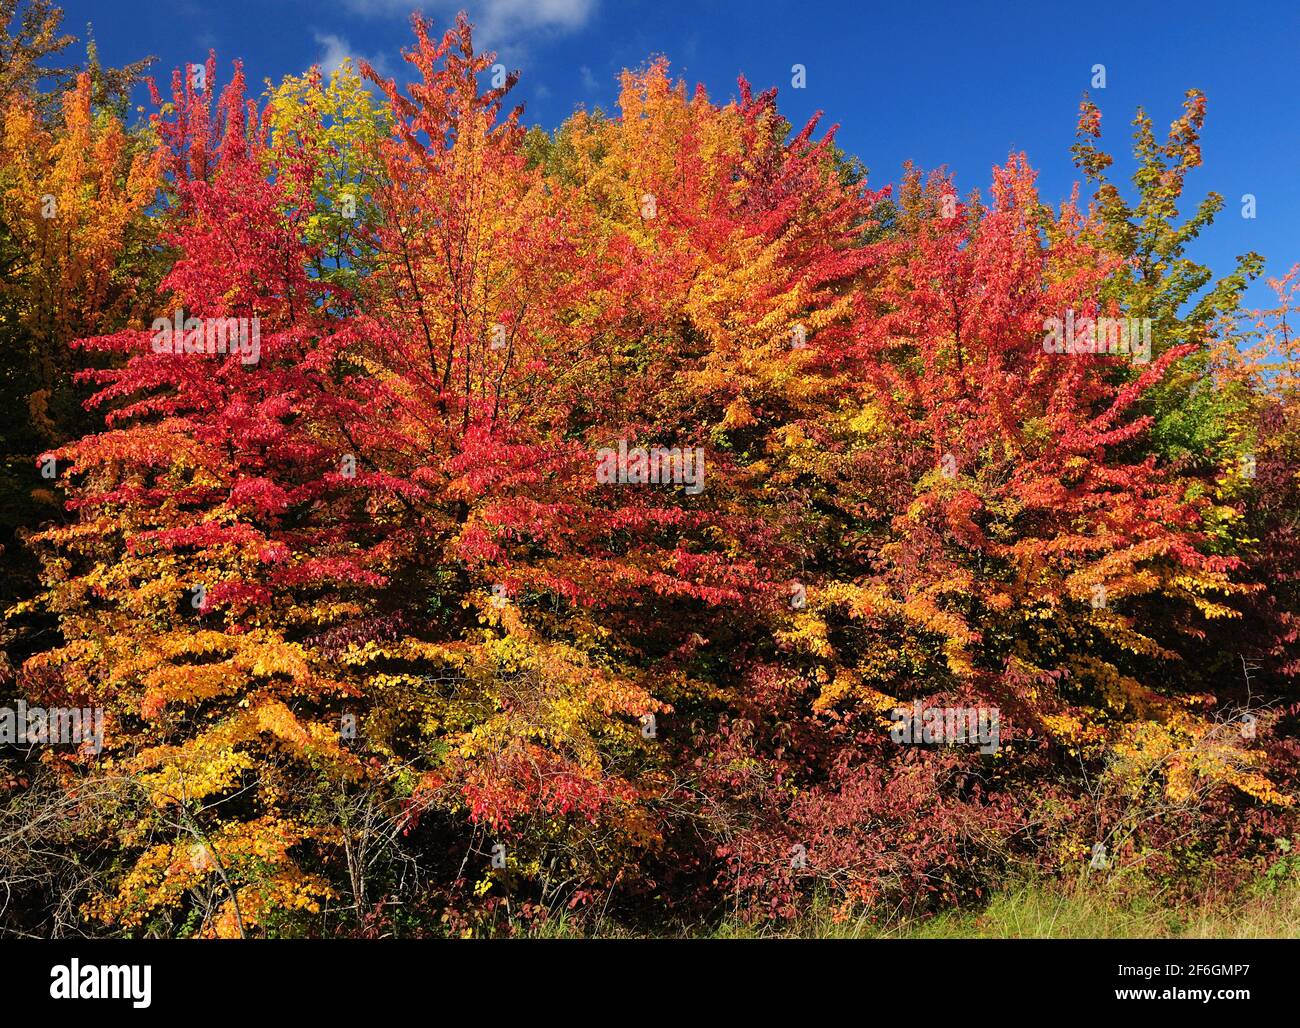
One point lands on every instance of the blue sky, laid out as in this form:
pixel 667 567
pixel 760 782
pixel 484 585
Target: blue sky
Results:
pixel 961 84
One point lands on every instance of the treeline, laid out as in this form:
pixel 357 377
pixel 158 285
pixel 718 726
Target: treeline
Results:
pixel 455 526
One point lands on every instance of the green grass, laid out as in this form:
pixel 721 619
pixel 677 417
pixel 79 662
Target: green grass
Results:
pixel 1052 911
pixel 1038 910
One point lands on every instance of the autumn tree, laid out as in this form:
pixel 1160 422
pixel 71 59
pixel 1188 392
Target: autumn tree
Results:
pixel 395 634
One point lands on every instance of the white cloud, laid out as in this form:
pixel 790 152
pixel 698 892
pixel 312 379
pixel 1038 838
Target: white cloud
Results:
pixel 589 82
pixel 494 20
pixel 336 49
